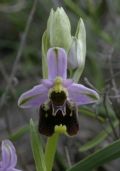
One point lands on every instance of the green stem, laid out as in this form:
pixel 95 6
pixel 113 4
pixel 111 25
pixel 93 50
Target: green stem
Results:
pixel 50 150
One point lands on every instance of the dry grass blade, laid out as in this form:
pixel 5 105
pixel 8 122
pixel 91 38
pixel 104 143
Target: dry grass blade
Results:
pixel 19 53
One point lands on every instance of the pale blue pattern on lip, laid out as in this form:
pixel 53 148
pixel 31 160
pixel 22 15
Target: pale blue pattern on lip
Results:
pixel 57 67
pixel 9 157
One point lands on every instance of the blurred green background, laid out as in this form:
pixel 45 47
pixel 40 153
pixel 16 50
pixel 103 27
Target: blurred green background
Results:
pixel 102 70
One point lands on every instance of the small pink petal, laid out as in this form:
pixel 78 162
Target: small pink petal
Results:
pixel 47 83
pixel 67 82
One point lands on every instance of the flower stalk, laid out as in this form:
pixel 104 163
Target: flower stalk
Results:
pixel 50 150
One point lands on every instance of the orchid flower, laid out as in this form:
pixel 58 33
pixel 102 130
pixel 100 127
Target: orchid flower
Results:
pixel 57 97
pixel 9 157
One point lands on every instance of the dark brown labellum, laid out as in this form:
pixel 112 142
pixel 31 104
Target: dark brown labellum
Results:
pixel 48 120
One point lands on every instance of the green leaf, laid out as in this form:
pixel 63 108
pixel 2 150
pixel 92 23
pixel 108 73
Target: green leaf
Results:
pixel 98 139
pixel 18 134
pixel 98 158
pixel 37 148
pixel 88 112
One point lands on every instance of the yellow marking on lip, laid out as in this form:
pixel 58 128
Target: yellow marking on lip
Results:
pixel 46 106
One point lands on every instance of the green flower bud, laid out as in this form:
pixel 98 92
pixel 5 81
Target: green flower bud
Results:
pixel 77 52
pixel 59 29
